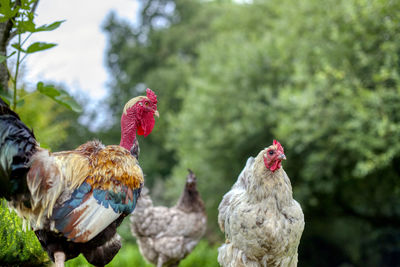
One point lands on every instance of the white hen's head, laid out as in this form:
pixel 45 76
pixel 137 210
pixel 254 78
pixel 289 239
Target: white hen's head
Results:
pixel 273 156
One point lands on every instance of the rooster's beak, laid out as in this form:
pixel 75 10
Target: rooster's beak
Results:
pixel 157 114
pixel 282 156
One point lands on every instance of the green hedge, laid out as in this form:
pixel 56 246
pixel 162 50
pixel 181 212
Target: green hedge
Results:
pixel 18 247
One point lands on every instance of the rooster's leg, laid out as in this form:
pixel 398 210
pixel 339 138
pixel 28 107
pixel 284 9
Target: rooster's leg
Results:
pixel 59 258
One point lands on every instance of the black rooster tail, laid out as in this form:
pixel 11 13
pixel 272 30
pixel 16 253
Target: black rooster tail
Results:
pixel 17 145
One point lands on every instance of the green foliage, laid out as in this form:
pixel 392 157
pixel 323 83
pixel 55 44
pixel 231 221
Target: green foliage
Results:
pixel 59 95
pixel 203 255
pixel 149 57
pixel 6 10
pixel 129 255
pixel 18 245
pixel 43 116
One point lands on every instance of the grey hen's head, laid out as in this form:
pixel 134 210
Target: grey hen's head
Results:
pixel 191 180
pixel 190 200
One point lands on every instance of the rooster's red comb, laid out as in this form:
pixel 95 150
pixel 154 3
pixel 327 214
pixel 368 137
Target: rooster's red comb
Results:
pixel 151 96
pixel 278 145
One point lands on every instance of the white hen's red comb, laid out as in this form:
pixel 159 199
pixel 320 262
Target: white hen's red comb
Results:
pixel 278 145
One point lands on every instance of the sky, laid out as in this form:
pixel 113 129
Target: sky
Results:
pixel 78 61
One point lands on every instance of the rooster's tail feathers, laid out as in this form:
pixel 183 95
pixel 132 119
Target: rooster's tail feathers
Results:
pixel 17 145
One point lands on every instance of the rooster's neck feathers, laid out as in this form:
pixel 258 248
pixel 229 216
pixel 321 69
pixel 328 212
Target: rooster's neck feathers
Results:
pixel 129 124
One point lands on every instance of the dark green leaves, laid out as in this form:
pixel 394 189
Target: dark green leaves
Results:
pixel 6 11
pixel 60 96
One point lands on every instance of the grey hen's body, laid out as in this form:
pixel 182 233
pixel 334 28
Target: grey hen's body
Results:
pixel 261 220
pixel 167 235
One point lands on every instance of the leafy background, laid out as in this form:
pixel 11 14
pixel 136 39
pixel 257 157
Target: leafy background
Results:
pixel 322 77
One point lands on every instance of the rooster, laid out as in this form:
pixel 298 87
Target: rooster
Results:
pixel 167 235
pixel 261 220
pixel 75 200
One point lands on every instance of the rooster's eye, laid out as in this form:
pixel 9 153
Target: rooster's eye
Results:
pixel 271 152
pixel 146 103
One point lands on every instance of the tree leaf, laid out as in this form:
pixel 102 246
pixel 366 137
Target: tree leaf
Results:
pixel 48 90
pixel 39 46
pixel 60 96
pixel 10 55
pixel 26 4
pixel 18 47
pixel 49 27
pixel 25 26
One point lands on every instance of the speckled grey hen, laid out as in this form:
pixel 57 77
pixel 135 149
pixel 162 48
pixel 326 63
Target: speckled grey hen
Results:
pixel 262 222
pixel 167 235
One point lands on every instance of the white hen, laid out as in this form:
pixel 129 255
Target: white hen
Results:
pixel 262 222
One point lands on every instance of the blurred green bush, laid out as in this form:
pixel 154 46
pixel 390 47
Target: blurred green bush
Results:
pixel 129 255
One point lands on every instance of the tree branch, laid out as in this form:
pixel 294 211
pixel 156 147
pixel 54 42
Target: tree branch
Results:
pixel 5 29
pixel 6 34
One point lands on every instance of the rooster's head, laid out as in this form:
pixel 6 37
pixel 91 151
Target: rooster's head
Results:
pixel 138 115
pixel 139 112
pixel 273 156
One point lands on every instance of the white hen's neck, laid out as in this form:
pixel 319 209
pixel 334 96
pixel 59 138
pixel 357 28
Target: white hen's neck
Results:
pixel 265 184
